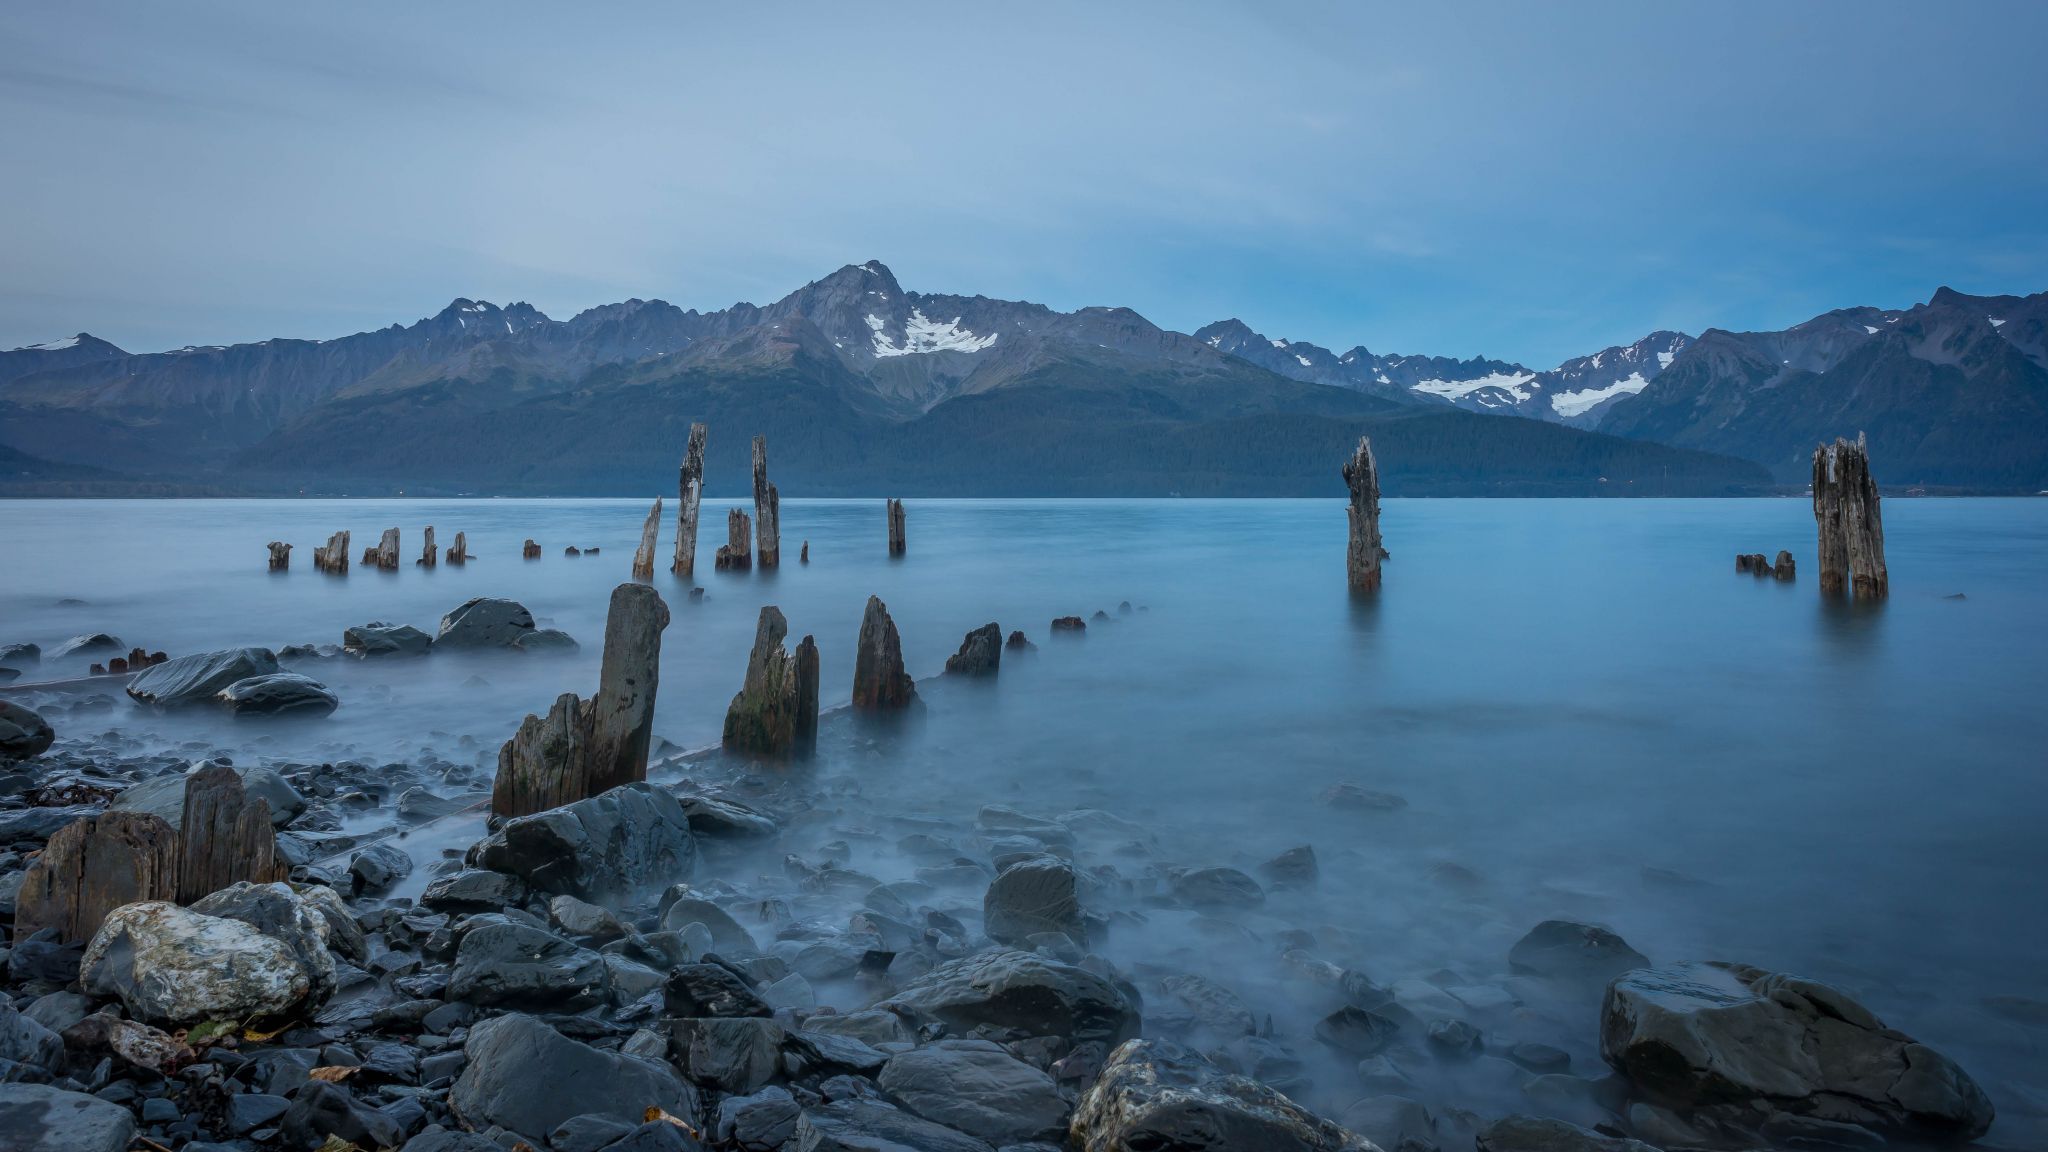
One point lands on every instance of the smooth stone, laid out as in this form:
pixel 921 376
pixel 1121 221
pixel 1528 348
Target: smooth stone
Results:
pixel 978 1088
pixel 171 965
pixel 200 677
pixel 527 1077
pixel 39 1118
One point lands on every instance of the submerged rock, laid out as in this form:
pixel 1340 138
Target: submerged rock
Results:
pixel 1025 991
pixel 24 734
pixel 279 694
pixel 484 623
pixel 171 965
pixel 861 1124
pixel 87 646
pixel 1218 888
pixel 1038 894
pixel 1564 950
pixel 1152 1094
pixel 529 1078
pixel 199 678
pixel 378 638
pixel 632 837
pixel 547 640
pixel 1541 1134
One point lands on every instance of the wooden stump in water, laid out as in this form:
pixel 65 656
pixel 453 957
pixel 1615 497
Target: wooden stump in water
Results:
pixel 1362 558
pixel 775 712
pixel 385 555
pixel 879 682
pixel 280 555
pixel 690 494
pixel 650 533
pixel 803 555
pixel 622 726
pixel 767 510
pixel 430 555
pixel 458 552
pixel 1783 569
pixel 225 836
pixel 546 763
pixel 333 555
pixel 530 550
pixel 897 543
pixel 735 555
pixel 1845 513
pixel 92 866
pixel 980 654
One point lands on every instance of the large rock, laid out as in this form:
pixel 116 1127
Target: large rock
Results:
pixel 198 678
pixel 633 837
pixel 525 1076
pixel 879 682
pixel 1564 950
pixel 23 732
pixel 39 1118
pixel 164 796
pixel 980 654
pixel 1025 991
pixel 474 890
pixel 1034 895
pixel 320 1110
pixel 298 922
pixel 484 623
pixel 859 1124
pixel 1730 1037
pixel 25 1042
pixel 978 1088
pixel 1542 1134
pixel 1153 1094
pixel 279 694
pixel 171 965
pixel 736 1054
pixel 20 657
pixel 87 646
pixel 378 638
pixel 504 962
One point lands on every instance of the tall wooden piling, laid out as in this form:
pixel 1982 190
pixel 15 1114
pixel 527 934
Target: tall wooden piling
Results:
pixel 280 555
pixel 767 510
pixel 458 552
pixel 1846 517
pixel 897 545
pixel 1362 559
pixel 689 496
pixel 385 554
pixel 530 550
pixel 224 837
pixel 333 555
pixel 650 534
pixel 429 555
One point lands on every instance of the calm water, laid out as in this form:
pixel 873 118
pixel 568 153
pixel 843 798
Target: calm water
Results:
pixel 1585 706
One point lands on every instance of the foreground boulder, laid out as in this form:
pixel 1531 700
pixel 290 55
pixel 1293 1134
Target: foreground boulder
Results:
pixel 23 733
pixel 199 678
pixel 503 962
pixel 634 836
pixel 1022 990
pixel 299 922
pixel 45 1119
pixel 525 1076
pixel 278 694
pixel 1034 895
pixel 170 965
pixel 860 1124
pixel 1744 1044
pixel 484 623
pixel 979 1088
pixel 1153 1094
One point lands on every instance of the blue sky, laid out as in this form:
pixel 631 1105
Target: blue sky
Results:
pixel 1524 181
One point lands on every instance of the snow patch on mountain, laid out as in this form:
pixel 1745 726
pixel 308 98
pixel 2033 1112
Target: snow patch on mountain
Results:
pixel 1583 400
pixel 60 345
pixel 921 335
pixel 1514 384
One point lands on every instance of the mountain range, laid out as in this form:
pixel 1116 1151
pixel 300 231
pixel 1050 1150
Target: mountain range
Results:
pixel 864 388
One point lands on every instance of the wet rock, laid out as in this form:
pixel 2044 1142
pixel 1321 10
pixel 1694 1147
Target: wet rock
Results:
pixel 418 804
pixel 24 734
pixel 727 819
pixel 41 957
pixel 1564 950
pixel 24 1041
pixel 1540 1057
pixel 1693 1035
pixel 529 1078
pixel 980 654
pixel 732 1054
pixel 474 890
pixel 1350 797
pixel 304 923
pixel 278 694
pixel 729 937
pixel 710 989
pixel 879 682
pixel 1453 1038
pixel 87 646
pixel 320 1110
pixel 587 1133
pixel 378 867
pixel 39 823
pixel 484 623
pixel 1152 1094
pixel 631 837
pixel 1021 990
pixel 581 918
pixel 1034 895
pixel 1392 1123
pixel 1218 888
pixel 164 796
pixel 868 1125
pixel 20 657
pixel 1294 868
pixel 761 1122
pixel 199 678
pixel 171 965
pixel 1211 1005
pixel 547 640
pixel 978 1088
pixel 39 1118
pixel 502 962
pixel 1357 1031
pixel 1537 1134
pixel 379 638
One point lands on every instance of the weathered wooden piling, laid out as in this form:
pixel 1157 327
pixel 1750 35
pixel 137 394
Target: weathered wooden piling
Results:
pixel 775 712
pixel 980 654
pixel 767 511
pixel 530 550
pixel 803 555
pixel 879 682
pixel 458 552
pixel 333 555
pixel 650 534
pixel 429 555
pixel 1783 569
pixel 689 496
pixel 1845 513
pixel 280 555
pixel 385 555
pixel 545 763
pixel 92 866
pixel 1362 559
pixel 225 836
pixel 897 545
pixel 736 554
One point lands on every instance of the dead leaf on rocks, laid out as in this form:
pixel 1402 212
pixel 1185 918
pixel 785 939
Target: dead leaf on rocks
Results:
pixel 332 1073
pixel 654 1113
pixel 337 1144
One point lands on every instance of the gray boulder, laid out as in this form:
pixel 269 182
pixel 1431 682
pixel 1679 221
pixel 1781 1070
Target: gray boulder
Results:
pixel 378 867
pixel 164 796
pixel 474 890
pixel 1729 1037
pixel 1541 1134
pixel 980 654
pixel 762 1122
pixel 23 732
pixel 39 1118
pixel 1025 991
pixel 546 640
pixel 25 1041
pixel 504 962
pixel 732 1054
pixel 1038 894
pixel 173 965
pixel 1563 950
pixel 320 1110
pixel 378 638
pixel 1392 1123
pixel 88 646
pixel 1152 1094
pixel 484 623
pixel 1218 888
pixel 527 1077
pixel 629 838
pixel 298 922
pixel 860 1124
pixel 199 678
pixel 278 694
pixel 20 657
pixel 979 1088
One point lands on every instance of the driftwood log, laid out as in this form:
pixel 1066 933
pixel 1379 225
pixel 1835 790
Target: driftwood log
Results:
pixel 650 535
pixel 333 555
pixel 879 682
pixel 897 544
pixel 689 496
pixel 280 555
pixel 225 836
pixel 1362 558
pixel 735 555
pixel 458 552
pixel 429 556
pixel 530 550
pixel 767 510
pixel 92 866
pixel 1845 513
pixel 775 712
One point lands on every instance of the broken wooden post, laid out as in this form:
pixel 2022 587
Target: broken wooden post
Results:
pixel 225 836
pixel 1783 569
pixel 767 510
pixel 92 866
pixel 1845 513
pixel 689 495
pixel 980 654
pixel 544 764
pixel 429 556
pixel 333 555
pixel 775 712
pixel 385 554
pixel 530 550
pixel 804 555
pixel 896 541
pixel 1362 559
pixel 735 554
pixel 280 555
pixel 650 533
pixel 622 726
pixel 458 552
pixel 879 682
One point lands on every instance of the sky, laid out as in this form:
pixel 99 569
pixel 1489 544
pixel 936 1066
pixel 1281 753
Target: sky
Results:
pixel 1524 181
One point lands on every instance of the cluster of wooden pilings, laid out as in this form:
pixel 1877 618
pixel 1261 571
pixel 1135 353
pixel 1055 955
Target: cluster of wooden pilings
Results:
pixel 1845 511
pixel 1757 564
pixel 333 555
